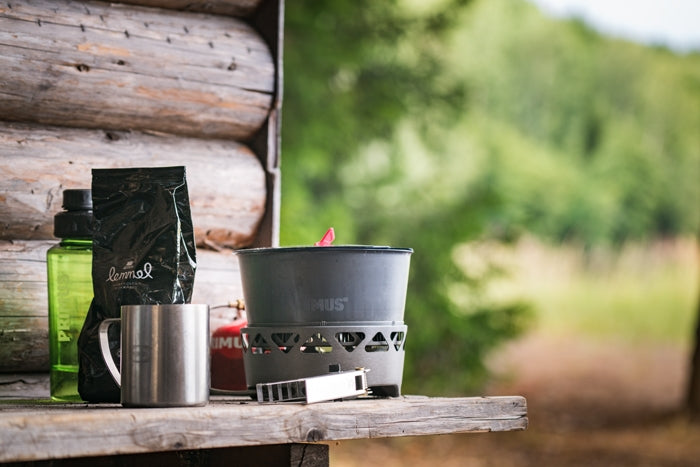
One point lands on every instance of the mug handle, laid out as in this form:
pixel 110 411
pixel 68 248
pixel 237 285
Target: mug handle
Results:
pixel 104 347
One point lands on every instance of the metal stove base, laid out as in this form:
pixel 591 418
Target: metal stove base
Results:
pixel 272 354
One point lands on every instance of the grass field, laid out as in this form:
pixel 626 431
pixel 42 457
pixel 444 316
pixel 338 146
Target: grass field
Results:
pixel 638 293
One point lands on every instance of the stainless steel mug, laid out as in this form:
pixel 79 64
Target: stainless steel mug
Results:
pixel 164 355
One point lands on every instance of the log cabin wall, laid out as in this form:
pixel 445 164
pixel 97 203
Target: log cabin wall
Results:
pixel 138 83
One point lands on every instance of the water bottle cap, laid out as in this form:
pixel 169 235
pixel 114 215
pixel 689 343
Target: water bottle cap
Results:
pixel 77 200
pixel 76 219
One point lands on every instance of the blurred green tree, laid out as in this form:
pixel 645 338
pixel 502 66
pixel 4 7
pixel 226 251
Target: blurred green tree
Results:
pixel 354 69
pixel 590 139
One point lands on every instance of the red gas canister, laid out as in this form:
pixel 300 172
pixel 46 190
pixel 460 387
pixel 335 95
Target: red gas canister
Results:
pixel 227 371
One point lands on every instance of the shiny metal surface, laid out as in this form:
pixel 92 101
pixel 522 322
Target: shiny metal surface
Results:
pixel 165 355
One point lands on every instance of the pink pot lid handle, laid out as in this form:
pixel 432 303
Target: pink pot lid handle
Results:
pixel 327 239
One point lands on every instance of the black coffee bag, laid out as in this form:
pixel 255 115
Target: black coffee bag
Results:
pixel 143 253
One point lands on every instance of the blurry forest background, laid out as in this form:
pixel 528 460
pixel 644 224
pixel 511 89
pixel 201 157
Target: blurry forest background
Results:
pixel 458 128
pixel 547 178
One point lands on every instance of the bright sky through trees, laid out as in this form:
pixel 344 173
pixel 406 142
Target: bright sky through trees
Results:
pixel 673 23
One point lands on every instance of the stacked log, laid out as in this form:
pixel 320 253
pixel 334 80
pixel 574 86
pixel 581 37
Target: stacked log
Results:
pixel 96 65
pixel 225 179
pixel 136 84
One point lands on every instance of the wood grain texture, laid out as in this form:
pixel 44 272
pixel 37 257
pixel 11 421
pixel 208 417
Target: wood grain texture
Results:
pixel 226 181
pixel 115 66
pixel 240 8
pixel 24 326
pixel 24 386
pixel 24 343
pixel 44 431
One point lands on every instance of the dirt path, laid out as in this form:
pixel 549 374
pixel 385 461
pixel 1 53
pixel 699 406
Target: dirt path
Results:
pixel 589 404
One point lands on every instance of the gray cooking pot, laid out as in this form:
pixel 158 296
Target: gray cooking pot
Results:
pixel 327 285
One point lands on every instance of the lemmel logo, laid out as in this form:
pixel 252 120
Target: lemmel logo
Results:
pixel 139 274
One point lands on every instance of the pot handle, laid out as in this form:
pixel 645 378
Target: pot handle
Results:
pixel 106 353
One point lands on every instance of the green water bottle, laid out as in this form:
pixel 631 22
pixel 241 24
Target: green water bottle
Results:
pixel 69 265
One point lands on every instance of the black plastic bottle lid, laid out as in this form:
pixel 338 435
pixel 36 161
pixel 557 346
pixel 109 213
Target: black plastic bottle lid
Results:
pixel 76 219
pixel 77 200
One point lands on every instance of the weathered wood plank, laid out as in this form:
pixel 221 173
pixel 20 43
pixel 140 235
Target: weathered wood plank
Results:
pixel 24 301
pixel 21 297
pixel 58 431
pixel 240 8
pixel 22 262
pixel 24 386
pixel 24 343
pixel 24 326
pixel 100 65
pixel 226 181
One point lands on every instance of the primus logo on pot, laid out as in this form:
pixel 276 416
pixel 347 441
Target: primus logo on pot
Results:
pixel 328 304
pixel 129 273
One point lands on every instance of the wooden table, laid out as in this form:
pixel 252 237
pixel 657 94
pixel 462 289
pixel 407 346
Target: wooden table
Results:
pixel 233 428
